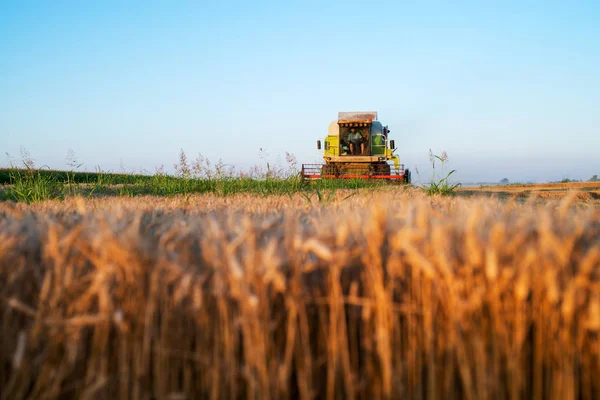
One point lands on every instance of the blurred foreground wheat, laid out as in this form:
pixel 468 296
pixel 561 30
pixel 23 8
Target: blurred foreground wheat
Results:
pixel 376 296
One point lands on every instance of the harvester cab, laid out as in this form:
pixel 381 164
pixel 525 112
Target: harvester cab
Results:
pixel 357 146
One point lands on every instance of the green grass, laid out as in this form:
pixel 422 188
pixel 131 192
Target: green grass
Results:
pixel 29 184
pixel 33 185
pixel 10 175
pixel 436 185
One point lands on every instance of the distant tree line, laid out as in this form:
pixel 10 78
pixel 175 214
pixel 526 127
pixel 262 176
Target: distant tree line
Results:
pixel 594 178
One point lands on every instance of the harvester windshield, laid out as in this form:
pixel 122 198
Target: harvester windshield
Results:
pixel 355 138
pixel 357 131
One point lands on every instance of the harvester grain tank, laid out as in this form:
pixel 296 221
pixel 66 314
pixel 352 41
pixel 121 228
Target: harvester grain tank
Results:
pixel 357 147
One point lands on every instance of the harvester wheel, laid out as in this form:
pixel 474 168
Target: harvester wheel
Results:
pixel 407 177
pixel 329 171
pixel 382 169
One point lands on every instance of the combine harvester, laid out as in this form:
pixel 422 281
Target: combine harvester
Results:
pixel 357 147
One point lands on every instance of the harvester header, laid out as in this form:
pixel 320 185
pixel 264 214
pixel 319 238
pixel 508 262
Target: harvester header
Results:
pixel 357 146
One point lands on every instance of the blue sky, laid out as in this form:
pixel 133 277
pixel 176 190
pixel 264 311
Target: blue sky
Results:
pixel 508 90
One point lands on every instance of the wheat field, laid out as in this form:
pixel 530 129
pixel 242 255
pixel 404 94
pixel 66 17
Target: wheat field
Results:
pixel 383 294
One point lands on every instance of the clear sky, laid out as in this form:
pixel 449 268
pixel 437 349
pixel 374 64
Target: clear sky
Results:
pixel 508 90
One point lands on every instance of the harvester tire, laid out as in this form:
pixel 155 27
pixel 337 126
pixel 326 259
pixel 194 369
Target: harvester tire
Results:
pixel 330 170
pixel 382 169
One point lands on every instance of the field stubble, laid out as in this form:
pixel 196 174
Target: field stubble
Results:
pixel 377 295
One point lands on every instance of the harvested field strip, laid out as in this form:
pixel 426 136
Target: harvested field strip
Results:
pixel 591 195
pixel 541 186
pixel 209 297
